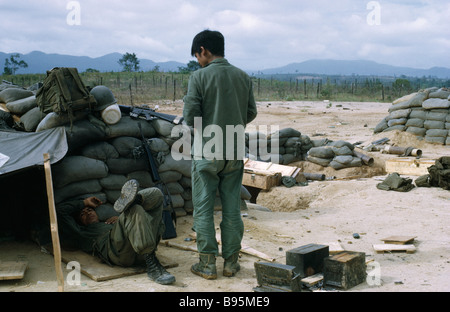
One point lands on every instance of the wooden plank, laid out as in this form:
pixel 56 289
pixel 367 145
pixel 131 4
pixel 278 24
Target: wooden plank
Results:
pixel 398 239
pixel 409 166
pixel 53 223
pixel 12 270
pixel 312 280
pixel 98 271
pixel 381 248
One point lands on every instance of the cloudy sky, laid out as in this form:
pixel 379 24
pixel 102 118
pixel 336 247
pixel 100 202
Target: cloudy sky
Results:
pixel 259 34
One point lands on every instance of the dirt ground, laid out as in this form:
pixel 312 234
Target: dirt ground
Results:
pixel 322 212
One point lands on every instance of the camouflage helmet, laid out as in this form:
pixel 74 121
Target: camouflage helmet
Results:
pixel 104 97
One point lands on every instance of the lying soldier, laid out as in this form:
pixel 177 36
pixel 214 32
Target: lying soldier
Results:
pixel 122 240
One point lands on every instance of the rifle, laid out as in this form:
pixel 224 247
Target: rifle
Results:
pixel 149 114
pixel 169 217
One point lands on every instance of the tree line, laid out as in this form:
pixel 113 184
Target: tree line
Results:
pixel 134 86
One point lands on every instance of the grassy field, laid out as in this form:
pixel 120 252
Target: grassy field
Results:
pixel 146 87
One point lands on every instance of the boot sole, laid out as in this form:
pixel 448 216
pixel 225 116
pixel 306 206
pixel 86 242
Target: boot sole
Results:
pixel 205 276
pixel 127 196
pixel 229 274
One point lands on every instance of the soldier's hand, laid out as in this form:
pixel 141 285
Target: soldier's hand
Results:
pixel 92 202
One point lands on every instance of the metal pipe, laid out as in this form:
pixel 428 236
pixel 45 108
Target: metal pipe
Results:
pixel 367 160
pixel 314 176
pixel 397 150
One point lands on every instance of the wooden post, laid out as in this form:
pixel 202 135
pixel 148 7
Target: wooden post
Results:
pixel 53 223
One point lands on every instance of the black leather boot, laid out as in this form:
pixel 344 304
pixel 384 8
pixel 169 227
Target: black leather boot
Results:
pixel 156 272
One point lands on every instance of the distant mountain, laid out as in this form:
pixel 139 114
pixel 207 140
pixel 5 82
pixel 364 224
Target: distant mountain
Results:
pixel 356 67
pixel 39 62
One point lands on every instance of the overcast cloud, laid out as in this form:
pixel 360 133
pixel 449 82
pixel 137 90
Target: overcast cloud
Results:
pixel 259 34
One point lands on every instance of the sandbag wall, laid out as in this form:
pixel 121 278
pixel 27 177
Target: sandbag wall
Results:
pixel 292 146
pixel 336 154
pixel 425 114
pixel 103 157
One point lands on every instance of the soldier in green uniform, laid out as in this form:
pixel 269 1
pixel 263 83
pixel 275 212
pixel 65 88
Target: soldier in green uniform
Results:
pixel 123 240
pixel 219 98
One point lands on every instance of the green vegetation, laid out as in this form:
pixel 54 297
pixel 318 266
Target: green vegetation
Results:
pixel 146 87
pixel 13 64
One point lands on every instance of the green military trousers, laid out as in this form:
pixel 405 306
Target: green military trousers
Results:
pixel 138 230
pixel 208 176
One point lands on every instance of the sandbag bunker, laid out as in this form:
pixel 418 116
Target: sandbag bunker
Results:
pixel 425 113
pixel 106 152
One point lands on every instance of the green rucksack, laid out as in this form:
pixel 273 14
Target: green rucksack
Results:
pixel 63 92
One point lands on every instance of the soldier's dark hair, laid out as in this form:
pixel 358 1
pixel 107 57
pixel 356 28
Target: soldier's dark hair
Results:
pixel 213 41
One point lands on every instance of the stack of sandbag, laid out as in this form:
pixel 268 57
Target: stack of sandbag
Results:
pixel 335 154
pixel 282 147
pixel 103 157
pixel 21 104
pixel 425 114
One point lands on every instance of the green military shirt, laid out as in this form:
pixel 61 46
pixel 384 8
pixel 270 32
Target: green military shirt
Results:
pixel 222 95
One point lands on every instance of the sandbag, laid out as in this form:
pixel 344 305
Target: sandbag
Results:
pixel 381 126
pixel 77 168
pixel 436 103
pixel 14 94
pixel 31 119
pixel 398 114
pixel 113 181
pixel 163 127
pixel 396 122
pixel 144 178
pixel 123 165
pixel 76 189
pixel 437 133
pixel 418 131
pixel 100 150
pixel 83 133
pixel 321 152
pixel 53 120
pixel 182 166
pixel 415 122
pixel 435 140
pixel 20 107
pixel 130 127
pixel 170 176
pixel 285 133
pixel 440 94
pixel 126 145
pixel 324 162
pixel 418 113
pixel 433 124
pixel 396 127
pixel 174 188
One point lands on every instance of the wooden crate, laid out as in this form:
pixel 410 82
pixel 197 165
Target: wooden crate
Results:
pixel 263 175
pixel 277 277
pixel 307 259
pixel 345 269
pixel 261 180
pixel 409 166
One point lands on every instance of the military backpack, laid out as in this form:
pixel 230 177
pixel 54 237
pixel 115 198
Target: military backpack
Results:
pixel 63 92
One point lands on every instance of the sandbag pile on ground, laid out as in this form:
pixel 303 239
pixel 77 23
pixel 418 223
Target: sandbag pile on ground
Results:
pixel 282 147
pixel 425 114
pixel 335 154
